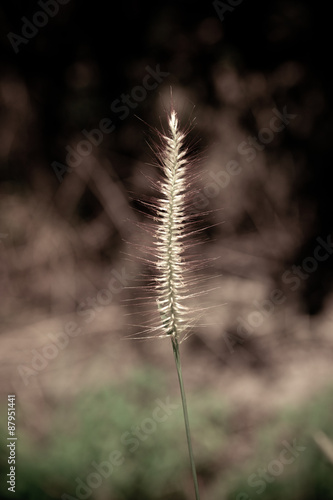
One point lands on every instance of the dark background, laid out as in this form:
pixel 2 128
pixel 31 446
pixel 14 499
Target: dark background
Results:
pixel 86 56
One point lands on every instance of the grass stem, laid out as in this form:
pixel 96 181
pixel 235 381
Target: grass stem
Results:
pixel 175 346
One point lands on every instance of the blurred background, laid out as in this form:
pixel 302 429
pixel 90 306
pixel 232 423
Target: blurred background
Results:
pixel 98 415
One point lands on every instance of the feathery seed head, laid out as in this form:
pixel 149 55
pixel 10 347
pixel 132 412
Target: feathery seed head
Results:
pixel 170 232
pixel 173 232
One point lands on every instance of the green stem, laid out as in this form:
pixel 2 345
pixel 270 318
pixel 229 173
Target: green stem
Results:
pixel 175 347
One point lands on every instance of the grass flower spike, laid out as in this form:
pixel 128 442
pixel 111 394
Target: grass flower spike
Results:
pixel 170 232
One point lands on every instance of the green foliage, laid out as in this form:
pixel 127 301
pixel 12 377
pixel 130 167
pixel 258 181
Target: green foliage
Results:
pixel 310 476
pixel 89 427
pixel 93 425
